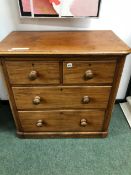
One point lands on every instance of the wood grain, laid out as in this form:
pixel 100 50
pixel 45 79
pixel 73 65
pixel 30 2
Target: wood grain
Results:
pixel 53 135
pixel 60 58
pixel 18 72
pixel 114 89
pixel 11 99
pixel 63 120
pixel 61 97
pixel 69 42
pixel 103 72
pixel 56 99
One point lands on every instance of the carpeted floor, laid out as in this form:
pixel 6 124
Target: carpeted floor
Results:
pixel 110 156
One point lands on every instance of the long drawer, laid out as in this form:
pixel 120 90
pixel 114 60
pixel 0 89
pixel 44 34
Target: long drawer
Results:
pixel 61 97
pixel 33 72
pixel 87 72
pixel 63 120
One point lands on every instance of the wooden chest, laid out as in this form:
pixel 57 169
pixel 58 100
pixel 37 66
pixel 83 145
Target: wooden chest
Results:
pixel 62 84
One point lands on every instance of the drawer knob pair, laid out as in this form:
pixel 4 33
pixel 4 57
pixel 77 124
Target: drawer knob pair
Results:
pixel 83 122
pixel 39 123
pixel 36 100
pixel 88 75
pixel 33 75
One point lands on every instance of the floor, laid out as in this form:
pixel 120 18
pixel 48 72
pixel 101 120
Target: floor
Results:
pixel 110 156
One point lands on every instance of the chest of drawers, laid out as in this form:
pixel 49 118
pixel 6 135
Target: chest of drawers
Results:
pixel 62 84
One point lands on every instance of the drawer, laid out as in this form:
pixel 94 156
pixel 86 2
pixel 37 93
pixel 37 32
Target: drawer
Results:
pixel 61 97
pixel 33 72
pixel 63 120
pixel 95 72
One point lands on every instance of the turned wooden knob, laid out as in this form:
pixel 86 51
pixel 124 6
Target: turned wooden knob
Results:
pixel 39 123
pixel 36 100
pixel 83 122
pixel 88 75
pixel 33 75
pixel 85 100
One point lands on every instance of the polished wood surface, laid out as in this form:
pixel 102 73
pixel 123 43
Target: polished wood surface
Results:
pixel 88 72
pixel 20 72
pixel 64 134
pixel 113 93
pixel 63 120
pixel 62 84
pixel 78 42
pixel 11 98
pixel 61 97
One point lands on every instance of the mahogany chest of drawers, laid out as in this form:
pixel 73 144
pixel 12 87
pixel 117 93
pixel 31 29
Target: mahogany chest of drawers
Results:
pixel 62 84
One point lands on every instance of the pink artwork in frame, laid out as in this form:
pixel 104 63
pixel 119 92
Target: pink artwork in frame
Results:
pixel 59 8
pixel 84 7
pixel 26 5
pixel 43 7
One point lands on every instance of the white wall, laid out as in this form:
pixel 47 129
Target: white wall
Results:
pixel 114 15
pixel 7 24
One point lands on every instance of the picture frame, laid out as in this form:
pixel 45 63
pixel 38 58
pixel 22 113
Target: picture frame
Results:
pixel 59 8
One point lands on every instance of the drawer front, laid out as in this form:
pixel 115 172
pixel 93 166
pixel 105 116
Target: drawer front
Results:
pixel 94 72
pixel 63 120
pixel 61 97
pixel 29 72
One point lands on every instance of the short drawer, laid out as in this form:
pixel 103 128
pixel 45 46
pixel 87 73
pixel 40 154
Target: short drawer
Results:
pixel 33 72
pixel 63 120
pixel 88 72
pixel 61 97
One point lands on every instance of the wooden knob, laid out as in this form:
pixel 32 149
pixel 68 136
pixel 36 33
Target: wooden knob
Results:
pixel 83 122
pixel 36 100
pixel 85 100
pixel 39 123
pixel 33 75
pixel 88 75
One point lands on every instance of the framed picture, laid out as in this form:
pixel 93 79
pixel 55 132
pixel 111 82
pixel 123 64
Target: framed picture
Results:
pixel 59 8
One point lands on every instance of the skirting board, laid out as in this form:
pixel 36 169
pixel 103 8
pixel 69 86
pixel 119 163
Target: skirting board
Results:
pixel 126 108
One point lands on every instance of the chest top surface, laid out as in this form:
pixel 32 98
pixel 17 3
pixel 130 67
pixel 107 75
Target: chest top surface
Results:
pixel 81 42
